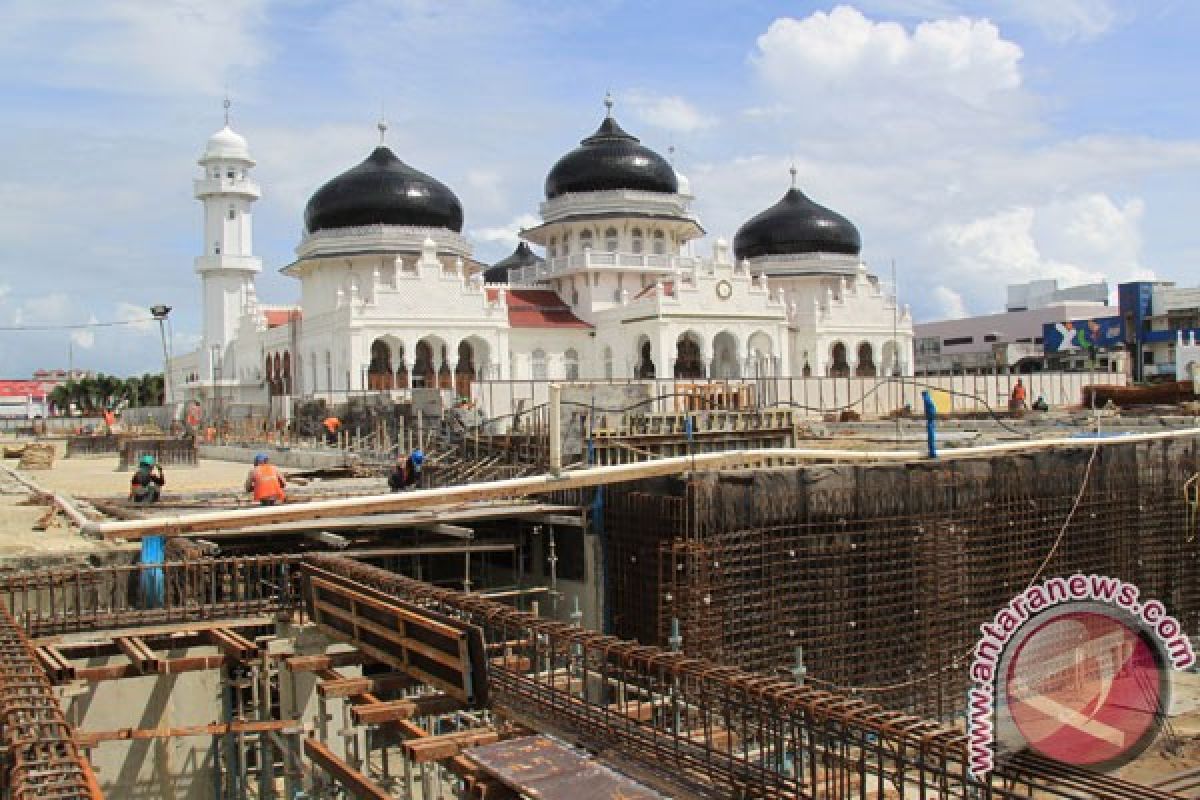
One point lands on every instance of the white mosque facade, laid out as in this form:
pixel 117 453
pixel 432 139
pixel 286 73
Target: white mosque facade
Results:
pixel 391 297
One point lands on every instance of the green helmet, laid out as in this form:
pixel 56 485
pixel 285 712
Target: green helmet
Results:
pixel 146 461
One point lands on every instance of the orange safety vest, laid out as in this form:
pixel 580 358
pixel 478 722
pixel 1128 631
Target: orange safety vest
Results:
pixel 267 483
pixel 332 424
pixel 1019 393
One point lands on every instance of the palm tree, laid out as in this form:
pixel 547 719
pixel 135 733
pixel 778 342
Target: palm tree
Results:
pixel 60 399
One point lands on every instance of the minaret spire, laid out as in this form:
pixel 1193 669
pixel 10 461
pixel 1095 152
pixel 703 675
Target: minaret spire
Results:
pixel 227 104
pixel 792 170
pixel 608 104
pixel 382 126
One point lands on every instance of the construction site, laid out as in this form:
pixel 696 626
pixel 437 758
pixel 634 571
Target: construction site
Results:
pixel 620 591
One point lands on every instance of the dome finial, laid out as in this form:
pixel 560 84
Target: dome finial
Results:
pixel 608 104
pixel 227 104
pixel 792 170
pixel 382 126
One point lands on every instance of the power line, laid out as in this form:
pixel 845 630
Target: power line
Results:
pixel 74 326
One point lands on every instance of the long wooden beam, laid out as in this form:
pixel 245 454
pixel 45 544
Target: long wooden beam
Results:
pixel 407 708
pixel 574 479
pixel 93 738
pixel 359 785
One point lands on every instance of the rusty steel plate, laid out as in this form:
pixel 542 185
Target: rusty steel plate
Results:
pixel 545 768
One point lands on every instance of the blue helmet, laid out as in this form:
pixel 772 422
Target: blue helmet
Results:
pixel 260 458
pixel 418 458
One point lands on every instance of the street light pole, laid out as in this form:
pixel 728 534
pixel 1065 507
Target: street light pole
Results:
pixel 160 313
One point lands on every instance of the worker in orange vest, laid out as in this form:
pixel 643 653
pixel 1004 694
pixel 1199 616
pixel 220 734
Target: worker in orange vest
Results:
pixel 1017 401
pixel 332 425
pixel 265 482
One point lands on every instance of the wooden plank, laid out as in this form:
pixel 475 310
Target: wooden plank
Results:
pixel 142 657
pixel 439 748
pixel 233 644
pixel 359 785
pixel 351 687
pixel 406 708
pixel 93 738
pixel 317 663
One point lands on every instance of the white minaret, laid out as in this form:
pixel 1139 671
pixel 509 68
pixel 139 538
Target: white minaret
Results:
pixel 227 265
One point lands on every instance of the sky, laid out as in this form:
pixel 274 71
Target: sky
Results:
pixel 974 144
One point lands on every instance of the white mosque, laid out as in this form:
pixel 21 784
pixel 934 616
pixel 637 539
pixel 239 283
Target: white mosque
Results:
pixel 391 297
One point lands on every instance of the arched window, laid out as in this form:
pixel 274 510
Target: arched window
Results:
pixel 636 239
pixel 232 212
pixel 552 248
pixel 610 240
pixel 660 243
pixel 216 248
pixel 571 365
pixel 585 241
pixel 537 365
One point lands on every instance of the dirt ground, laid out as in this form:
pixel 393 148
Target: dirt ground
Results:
pixel 21 545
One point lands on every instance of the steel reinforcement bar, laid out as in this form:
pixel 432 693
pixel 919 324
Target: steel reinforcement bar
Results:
pixel 720 731
pixel 56 601
pixel 40 759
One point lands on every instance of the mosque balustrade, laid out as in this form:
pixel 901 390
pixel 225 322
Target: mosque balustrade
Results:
pixel 595 259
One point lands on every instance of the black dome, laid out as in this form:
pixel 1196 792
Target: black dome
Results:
pixel 796 225
pixel 383 190
pixel 523 256
pixel 610 159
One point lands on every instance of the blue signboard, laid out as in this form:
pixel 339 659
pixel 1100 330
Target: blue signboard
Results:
pixel 1083 335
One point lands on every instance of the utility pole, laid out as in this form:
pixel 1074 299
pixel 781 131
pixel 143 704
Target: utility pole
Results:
pixel 160 313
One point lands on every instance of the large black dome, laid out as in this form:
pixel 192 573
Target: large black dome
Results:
pixel 796 225
pixel 523 256
pixel 383 190
pixel 610 159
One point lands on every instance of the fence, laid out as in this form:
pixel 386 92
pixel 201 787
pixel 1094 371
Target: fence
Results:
pixel 870 397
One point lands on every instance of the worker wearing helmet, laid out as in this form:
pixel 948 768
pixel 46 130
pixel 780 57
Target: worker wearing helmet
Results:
pixel 265 482
pixel 146 484
pixel 412 468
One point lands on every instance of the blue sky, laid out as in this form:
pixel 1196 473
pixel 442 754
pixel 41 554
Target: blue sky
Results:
pixel 973 143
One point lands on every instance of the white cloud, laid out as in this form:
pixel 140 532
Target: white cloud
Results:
pixel 669 112
pixel 1064 20
pixel 85 338
pixel 138 317
pixel 506 234
pixel 1078 239
pixel 844 51
pixel 164 46
pixel 949 302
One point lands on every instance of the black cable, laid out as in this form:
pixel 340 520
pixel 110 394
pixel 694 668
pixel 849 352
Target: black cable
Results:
pixel 74 326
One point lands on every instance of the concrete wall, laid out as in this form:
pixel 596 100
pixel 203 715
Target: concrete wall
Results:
pixel 151 769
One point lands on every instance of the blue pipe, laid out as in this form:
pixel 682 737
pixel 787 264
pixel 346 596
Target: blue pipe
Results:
pixel 153 551
pixel 930 423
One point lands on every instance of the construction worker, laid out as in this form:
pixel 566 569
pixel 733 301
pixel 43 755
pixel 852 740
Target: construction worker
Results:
pixel 146 484
pixel 110 421
pixel 1040 404
pixel 398 477
pixel 332 425
pixel 1017 401
pixel 265 482
pixel 412 468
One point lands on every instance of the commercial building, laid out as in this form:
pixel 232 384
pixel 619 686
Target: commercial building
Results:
pixel 1016 339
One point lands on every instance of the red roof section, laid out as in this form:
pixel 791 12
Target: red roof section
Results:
pixel 652 289
pixel 538 308
pixel 38 389
pixel 281 316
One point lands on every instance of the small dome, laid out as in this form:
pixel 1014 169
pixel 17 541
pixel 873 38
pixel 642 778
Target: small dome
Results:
pixel 226 143
pixel 523 256
pixel 383 190
pixel 793 226
pixel 610 159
